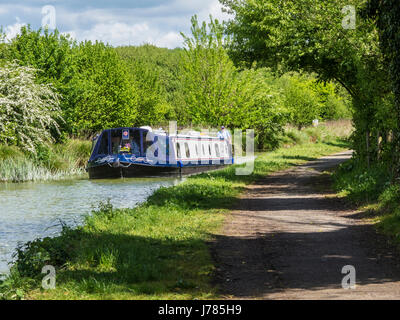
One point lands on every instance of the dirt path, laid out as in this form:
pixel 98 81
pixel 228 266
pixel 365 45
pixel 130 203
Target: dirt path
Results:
pixel 290 237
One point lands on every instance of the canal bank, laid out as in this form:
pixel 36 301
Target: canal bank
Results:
pixel 36 210
pixel 157 250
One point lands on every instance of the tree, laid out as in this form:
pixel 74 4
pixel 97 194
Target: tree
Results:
pixel 259 104
pixel 49 54
pixel 208 74
pixel 302 102
pixel 305 35
pixel 386 15
pixel 28 110
pixel 91 77
pixel 155 75
pixel 100 93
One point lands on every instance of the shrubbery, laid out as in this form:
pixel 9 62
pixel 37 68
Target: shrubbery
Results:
pixel 361 184
pixel 28 111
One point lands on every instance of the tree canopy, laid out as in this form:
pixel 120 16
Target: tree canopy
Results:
pixel 304 35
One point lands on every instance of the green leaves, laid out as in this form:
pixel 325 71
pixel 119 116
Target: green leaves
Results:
pixel 208 75
pixel 93 80
pixel 28 111
pixel 104 87
pixel 154 74
pixel 303 103
pixel 305 35
pixel 100 91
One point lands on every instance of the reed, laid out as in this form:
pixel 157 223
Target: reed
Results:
pixel 24 169
pixel 53 162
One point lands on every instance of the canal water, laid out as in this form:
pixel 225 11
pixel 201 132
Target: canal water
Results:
pixel 34 210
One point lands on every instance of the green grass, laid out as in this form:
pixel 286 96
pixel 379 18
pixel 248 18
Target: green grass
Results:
pixel 361 185
pixel 155 251
pixel 373 191
pixel 328 132
pixel 52 162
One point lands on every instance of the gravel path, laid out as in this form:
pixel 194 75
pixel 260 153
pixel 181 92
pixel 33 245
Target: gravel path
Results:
pixel 290 236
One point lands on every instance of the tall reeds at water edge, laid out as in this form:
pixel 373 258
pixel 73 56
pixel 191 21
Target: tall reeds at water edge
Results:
pixel 52 162
pixel 24 169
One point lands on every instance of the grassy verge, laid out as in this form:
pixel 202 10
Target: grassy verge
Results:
pixel 155 251
pixel 50 163
pixel 373 192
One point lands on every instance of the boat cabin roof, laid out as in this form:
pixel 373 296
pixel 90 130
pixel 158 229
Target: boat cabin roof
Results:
pixel 161 132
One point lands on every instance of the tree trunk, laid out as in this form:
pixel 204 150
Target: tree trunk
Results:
pixel 367 147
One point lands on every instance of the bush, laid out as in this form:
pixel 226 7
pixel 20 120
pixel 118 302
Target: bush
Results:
pixel 301 100
pixel 28 111
pixel 10 152
pixel 32 256
pixel 389 199
pixel 335 109
pixel 361 184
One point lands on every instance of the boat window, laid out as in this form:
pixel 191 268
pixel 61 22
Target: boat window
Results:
pixel 217 150
pixel 103 149
pixel 94 142
pixel 146 144
pixel 135 136
pixel 125 141
pixel 187 151
pixel 204 152
pixel 116 136
pixel 209 149
pixel 178 150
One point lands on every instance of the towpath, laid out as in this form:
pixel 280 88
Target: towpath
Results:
pixel 290 236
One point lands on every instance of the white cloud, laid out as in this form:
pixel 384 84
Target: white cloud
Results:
pixel 13 30
pixel 215 9
pixel 170 40
pixel 119 34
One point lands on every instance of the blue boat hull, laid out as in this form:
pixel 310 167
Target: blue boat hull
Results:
pixel 107 171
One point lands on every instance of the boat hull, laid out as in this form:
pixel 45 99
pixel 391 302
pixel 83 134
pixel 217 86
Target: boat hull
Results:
pixel 135 170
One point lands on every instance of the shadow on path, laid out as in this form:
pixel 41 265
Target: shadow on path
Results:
pixel 287 239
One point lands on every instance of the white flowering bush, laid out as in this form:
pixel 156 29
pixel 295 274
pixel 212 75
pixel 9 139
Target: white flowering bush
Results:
pixel 28 110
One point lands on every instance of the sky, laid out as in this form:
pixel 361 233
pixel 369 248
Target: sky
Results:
pixel 117 22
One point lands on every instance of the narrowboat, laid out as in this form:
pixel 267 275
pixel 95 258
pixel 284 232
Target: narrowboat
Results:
pixel 144 152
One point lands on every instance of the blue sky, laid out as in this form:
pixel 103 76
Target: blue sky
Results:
pixel 117 22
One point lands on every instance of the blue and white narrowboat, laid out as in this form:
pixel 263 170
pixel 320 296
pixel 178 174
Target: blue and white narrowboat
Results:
pixel 133 152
